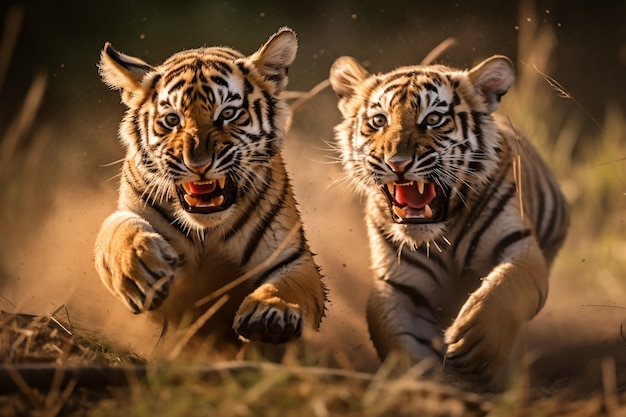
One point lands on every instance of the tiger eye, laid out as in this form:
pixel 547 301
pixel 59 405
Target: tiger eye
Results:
pixel 171 120
pixel 379 121
pixel 433 119
pixel 228 113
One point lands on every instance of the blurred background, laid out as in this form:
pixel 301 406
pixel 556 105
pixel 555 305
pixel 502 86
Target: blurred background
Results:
pixel 58 145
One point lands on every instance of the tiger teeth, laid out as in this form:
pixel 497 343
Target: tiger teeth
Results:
pixel 420 186
pixel 191 200
pixel 218 201
pixel 428 212
pixel 196 202
pixel 220 181
pixel 391 186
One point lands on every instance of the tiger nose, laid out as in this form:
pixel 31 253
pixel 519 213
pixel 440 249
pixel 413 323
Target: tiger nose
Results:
pixel 398 165
pixel 198 168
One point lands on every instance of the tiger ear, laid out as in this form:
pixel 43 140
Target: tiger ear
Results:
pixel 492 79
pixel 122 72
pixel 274 58
pixel 346 75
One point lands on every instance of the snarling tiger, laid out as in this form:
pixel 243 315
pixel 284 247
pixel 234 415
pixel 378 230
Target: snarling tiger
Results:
pixel 464 218
pixel 204 190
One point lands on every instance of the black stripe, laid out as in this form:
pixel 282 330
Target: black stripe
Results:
pixel 495 212
pixel 135 67
pixel 507 241
pixel 170 219
pixel 224 68
pixel 481 203
pixel 554 211
pixel 219 81
pixel 177 86
pixel 244 70
pixel 477 119
pixel 415 262
pixel 539 214
pixel 155 80
pixel 174 73
pixel 131 181
pixel 265 223
pixel 246 214
pixel 431 255
pixel 463 121
pixel 263 277
pixel 270 102
pixel 256 106
pixel 417 298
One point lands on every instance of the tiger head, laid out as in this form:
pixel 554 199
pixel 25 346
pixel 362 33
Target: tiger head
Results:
pixel 202 128
pixel 419 139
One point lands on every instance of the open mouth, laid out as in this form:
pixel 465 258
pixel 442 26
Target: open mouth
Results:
pixel 416 201
pixel 207 196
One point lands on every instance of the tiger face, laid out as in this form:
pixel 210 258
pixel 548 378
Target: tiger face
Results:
pixel 419 139
pixel 202 127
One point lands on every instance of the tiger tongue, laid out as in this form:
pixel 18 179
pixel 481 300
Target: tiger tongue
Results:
pixel 409 195
pixel 200 187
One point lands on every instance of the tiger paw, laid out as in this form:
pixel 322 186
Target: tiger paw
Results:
pixel 136 264
pixel 479 341
pixel 270 320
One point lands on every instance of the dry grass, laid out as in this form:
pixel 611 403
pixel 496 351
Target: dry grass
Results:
pixel 76 375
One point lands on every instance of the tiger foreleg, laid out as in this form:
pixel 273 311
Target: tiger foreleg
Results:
pixel 480 339
pixel 402 329
pixel 134 262
pixel 280 310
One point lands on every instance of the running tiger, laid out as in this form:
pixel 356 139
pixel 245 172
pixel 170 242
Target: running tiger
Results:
pixel 461 261
pixel 204 189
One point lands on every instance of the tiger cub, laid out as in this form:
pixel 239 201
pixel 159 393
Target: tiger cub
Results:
pixel 464 218
pixel 204 190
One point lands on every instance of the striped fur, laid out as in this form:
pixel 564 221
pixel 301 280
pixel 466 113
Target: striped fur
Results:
pixel 204 190
pixel 460 266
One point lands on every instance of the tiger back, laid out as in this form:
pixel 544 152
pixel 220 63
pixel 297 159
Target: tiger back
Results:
pixel 206 211
pixel 460 261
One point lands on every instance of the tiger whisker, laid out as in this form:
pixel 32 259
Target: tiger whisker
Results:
pixel 118 175
pixel 119 161
pixel 341 180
